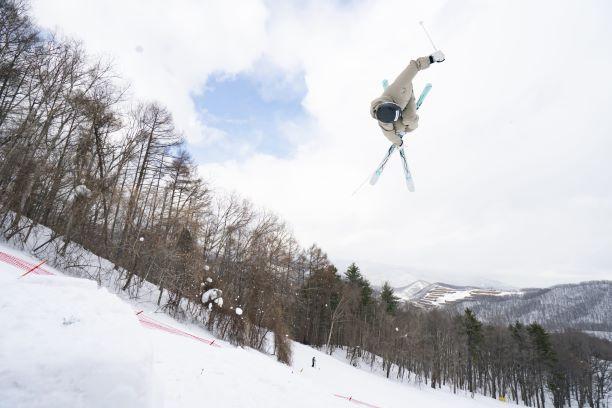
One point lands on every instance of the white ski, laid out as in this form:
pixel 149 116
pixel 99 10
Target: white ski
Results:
pixel 381 166
pixel 407 175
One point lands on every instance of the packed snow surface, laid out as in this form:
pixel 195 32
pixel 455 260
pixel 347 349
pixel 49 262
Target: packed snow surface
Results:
pixel 67 343
pixel 64 342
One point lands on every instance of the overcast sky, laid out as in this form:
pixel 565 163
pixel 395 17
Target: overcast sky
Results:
pixel 512 159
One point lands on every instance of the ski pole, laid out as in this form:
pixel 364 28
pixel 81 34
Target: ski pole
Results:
pixel 428 36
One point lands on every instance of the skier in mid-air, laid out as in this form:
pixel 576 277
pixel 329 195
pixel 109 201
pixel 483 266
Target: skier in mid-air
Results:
pixel 396 108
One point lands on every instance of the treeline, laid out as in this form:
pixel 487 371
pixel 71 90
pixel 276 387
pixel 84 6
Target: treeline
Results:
pixel 111 175
pixel 521 363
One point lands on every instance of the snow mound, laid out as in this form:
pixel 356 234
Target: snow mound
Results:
pixel 213 295
pixel 67 343
pixel 80 191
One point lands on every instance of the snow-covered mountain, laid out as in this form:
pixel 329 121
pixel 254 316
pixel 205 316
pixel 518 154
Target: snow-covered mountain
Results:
pixel 585 306
pixel 407 292
pixel 442 294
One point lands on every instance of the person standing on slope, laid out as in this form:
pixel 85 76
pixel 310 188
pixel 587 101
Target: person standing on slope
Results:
pixel 395 109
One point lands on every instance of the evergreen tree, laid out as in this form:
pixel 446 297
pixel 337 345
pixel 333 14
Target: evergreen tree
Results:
pixel 391 301
pixel 472 328
pixel 354 277
pixel 352 274
pixel 541 342
pixel 366 292
pixel 545 362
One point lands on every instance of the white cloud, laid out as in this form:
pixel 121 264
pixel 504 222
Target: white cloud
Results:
pixel 511 162
pixel 166 50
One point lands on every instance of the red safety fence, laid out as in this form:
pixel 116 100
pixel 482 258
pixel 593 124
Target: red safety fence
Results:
pixel 351 399
pixel 150 323
pixel 23 265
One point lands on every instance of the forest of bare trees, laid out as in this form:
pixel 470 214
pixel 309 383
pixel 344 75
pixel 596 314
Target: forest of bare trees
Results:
pixel 112 175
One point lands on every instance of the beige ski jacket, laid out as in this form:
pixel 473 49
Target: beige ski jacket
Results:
pixel 400 92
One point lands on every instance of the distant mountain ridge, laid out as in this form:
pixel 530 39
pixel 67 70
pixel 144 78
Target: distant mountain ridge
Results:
pixel 407 292
pixel 585 306
pixel 441 294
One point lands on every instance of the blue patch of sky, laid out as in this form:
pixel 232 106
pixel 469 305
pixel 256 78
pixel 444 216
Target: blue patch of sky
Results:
pixel 45 34
pixel 250 108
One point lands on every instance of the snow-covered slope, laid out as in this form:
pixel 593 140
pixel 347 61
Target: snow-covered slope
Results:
pixel 71 344
pixel 441 294
pixel 407 292
pixel 64 342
